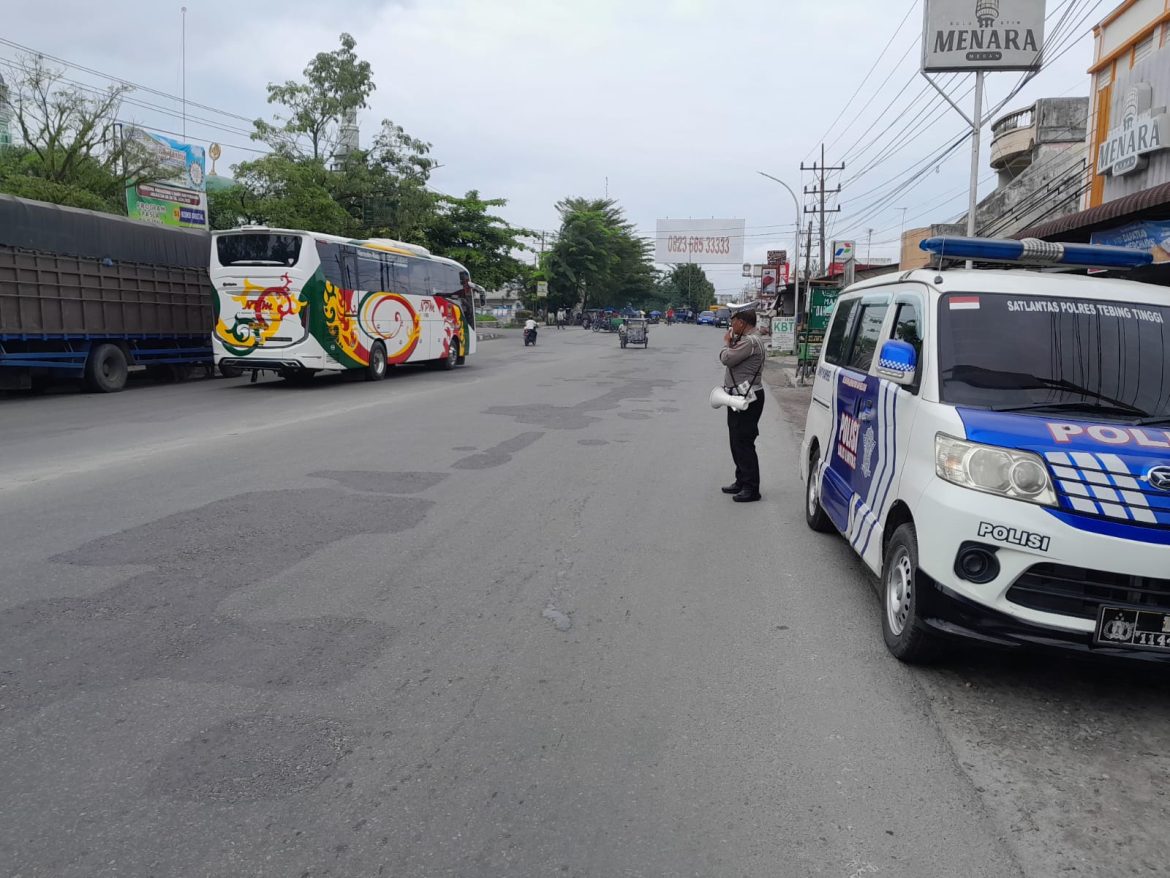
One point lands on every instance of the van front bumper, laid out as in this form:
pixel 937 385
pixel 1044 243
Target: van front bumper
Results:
pixel 1051 581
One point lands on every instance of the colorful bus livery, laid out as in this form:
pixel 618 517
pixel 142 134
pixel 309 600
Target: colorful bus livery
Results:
pixel 298 303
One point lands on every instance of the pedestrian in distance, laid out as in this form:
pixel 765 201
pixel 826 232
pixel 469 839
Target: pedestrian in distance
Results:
pixel 743 358
pixel 560 318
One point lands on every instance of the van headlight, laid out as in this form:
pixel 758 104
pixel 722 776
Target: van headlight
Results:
pixel 1020 475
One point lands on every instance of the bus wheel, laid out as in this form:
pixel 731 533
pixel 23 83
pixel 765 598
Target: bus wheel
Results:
pixel 452 359
pixel 376 369
pixel 106 369
pixel 229 371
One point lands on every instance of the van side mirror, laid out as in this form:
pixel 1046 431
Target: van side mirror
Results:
pixel 898 361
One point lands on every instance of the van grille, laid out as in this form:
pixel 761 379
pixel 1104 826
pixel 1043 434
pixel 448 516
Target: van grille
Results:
pixel 1076 591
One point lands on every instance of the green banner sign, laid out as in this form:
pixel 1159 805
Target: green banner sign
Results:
pixel 823 300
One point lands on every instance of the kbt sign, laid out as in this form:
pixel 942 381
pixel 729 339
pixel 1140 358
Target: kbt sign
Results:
pixel 1143 130
pixel 961 35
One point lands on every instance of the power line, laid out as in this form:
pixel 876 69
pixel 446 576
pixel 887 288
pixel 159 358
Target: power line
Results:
pixel 119 79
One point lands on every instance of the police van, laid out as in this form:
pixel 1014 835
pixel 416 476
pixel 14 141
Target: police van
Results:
pixel 995 444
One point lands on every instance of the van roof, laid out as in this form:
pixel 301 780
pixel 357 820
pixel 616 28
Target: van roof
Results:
pixel 1021 283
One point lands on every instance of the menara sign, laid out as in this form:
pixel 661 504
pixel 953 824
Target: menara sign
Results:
pixel 964 35
pixel 1143 130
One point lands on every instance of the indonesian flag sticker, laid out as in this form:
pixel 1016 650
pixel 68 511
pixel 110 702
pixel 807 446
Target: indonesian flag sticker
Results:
pixel 964 303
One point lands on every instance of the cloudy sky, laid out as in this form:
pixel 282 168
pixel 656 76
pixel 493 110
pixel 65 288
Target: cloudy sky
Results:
pixel 674 105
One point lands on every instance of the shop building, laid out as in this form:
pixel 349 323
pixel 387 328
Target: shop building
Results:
pixel 1126 197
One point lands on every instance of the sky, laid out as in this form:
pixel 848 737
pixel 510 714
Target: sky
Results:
pixel 671 107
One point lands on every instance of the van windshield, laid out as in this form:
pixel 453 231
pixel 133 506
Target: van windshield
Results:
pixel 1006 352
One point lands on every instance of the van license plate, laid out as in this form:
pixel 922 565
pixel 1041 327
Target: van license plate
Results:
pixel 1142 629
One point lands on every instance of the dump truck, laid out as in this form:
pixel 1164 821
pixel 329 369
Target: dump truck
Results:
pixel 94 296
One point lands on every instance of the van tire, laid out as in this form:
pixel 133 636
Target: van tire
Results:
pixel 906 636
pixel 106 369
pixel 814 514
pixel 377 367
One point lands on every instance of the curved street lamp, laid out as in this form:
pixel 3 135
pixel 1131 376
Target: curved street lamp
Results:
pixel 796 247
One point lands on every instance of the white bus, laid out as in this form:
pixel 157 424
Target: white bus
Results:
pixel 298 303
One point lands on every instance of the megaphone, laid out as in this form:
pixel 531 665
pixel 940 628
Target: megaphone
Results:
pixel 720 397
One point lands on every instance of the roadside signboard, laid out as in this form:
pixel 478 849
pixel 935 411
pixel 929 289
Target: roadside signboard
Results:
pixel 971 35
pixel 179 200
pixel 777 257
pixel 784 335
pixel 542 289
pixel 823 299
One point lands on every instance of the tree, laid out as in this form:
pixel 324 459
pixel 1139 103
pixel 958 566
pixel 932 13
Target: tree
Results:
pixel 336 83
pixel 279 191
pixel 597 259
pixel 688 287
pixel 463 229
pixel 71 150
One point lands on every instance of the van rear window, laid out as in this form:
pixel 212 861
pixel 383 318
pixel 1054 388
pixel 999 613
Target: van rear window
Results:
pixel 258 249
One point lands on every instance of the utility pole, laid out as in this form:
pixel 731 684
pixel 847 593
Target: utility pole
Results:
pixel 821 191
pixel 808 272
pixel 868 244
pixel 183 66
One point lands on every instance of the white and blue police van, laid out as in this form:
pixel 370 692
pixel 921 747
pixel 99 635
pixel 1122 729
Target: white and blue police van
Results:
pixel 995 444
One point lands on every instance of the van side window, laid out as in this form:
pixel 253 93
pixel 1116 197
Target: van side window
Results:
pixel 868 332
pixel 840 332
pixel 908 328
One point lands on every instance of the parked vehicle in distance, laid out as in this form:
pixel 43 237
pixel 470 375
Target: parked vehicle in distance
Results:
pixel 298 303
pixel 706 318
pixel 94 296
pixel 723 317
pixel 995 445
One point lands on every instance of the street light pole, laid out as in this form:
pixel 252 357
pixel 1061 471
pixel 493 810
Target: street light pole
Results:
pixel 795 263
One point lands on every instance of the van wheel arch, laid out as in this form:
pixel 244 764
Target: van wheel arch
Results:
pixel 898 515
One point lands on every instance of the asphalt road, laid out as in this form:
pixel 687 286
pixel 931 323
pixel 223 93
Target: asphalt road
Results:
pixel 501 621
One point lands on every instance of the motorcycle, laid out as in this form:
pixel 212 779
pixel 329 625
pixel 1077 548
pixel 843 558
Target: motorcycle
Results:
pixel 529 337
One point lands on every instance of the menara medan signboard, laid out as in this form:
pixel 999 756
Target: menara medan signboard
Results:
pixel 988 35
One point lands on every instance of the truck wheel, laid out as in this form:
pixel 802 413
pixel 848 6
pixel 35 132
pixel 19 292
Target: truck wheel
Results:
pixel 814 514
pixel 106 369
pixel 376 368
pixel 905 634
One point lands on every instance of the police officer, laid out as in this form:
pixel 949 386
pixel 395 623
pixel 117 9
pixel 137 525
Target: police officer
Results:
pixel 743 357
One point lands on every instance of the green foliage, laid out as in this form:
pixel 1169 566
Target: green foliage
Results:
pixel 687 286
pixel 286 193
pixel 597 260
pixel 463 229
pixel 335 84
pixel 70 150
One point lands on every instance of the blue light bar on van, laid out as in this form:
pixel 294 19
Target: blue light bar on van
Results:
pixel 1031 251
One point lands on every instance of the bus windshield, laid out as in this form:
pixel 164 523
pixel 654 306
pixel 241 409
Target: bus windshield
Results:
pixel 1007 352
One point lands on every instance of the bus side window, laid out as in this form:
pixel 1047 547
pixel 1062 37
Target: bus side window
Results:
pixel 418 281
pixel 332 263
pixel 369 271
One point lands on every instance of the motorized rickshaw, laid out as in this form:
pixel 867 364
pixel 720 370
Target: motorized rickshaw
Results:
pixel 634 331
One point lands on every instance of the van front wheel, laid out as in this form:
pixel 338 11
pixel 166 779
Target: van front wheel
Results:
pixel 814 514
pixel 905 633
